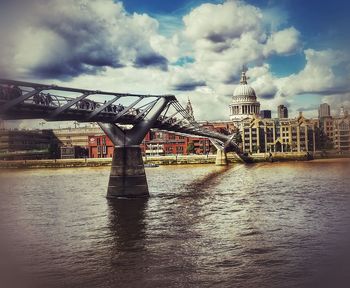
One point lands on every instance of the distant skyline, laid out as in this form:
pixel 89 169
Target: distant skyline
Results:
pixel 296 51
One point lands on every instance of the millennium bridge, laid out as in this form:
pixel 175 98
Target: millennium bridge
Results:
pixel 125 118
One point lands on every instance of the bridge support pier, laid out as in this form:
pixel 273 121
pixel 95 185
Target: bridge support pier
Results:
pixel 127 177
pixel 221 158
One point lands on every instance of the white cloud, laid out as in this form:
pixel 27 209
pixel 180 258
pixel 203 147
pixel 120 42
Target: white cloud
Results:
pixel 283 42
pixel 336 101
pixel 220 22
pixel 226 36
pixel 62 39
pixel 318 75
pixel 184 79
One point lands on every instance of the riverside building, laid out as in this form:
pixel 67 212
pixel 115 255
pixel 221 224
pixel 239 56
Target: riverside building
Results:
pixel 24 144
pixel 279 135
pixel 336 128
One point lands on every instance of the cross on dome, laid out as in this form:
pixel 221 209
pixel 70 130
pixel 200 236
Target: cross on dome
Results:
pixel 243 75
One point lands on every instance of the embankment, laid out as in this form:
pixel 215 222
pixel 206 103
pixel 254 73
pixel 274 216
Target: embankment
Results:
pixel 159 160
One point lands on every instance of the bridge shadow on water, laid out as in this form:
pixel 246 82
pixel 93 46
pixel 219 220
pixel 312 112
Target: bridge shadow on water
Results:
pixel 150 238
pixel 129 257
pixel 127 217
pixel 198 186
pixel 127 222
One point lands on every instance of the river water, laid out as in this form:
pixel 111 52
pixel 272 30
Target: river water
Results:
pixel 261 225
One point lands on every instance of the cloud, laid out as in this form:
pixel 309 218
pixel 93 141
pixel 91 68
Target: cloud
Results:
pixel 153 59
pixel 218 23
pixel 263 82
pixel 336 101
pixel 226 36
pixel 83 37
pixel 318 75
pixel 283 42
pixel 207 104
pixel 183 79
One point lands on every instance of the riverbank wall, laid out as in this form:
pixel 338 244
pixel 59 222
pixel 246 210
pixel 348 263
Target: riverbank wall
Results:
pixel 160 160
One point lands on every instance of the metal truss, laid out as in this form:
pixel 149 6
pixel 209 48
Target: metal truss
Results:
pixel 25 100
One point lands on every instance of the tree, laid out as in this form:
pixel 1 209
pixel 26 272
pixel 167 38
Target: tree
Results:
pixel 190 148
pixel 323 142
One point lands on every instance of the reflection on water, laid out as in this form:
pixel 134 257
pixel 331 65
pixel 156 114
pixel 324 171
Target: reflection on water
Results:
pixel 264 225
pixel 127 223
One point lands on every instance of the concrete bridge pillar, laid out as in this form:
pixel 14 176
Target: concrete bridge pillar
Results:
pixel 127 177
pixel 221 158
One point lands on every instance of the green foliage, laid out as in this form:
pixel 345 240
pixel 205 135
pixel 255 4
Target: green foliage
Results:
pixel 323 142
pixel 190 148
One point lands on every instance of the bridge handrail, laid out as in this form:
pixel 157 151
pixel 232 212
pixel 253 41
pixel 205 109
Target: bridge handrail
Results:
pixel 69 89
pixel 34 95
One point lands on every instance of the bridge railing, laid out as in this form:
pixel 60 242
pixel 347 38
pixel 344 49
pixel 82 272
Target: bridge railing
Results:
pixel 51 102
pixel 9 93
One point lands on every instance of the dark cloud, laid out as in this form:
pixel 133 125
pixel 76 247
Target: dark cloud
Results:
pixel 341 89
pixel 267 96
pixel 75 37
pixel 188 86
pixel 216 38
pixel 65 71
pixel 151 60
pixel 232 79
pixel 77 60
pixel 308 108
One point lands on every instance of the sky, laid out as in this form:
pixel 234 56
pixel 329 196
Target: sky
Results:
pixel 296 51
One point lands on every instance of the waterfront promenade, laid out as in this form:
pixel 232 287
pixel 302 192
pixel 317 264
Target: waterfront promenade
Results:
pixel 159 160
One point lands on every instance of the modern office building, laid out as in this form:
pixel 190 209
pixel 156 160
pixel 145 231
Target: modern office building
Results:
pixel 265 114
pixel 282 112
pixel 324 110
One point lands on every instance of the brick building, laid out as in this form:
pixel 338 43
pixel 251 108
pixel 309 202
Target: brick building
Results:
pixel 155 143
pixel 100 146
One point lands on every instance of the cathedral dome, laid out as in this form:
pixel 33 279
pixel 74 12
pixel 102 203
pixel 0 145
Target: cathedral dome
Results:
pixel 243 89
pixel 244 103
